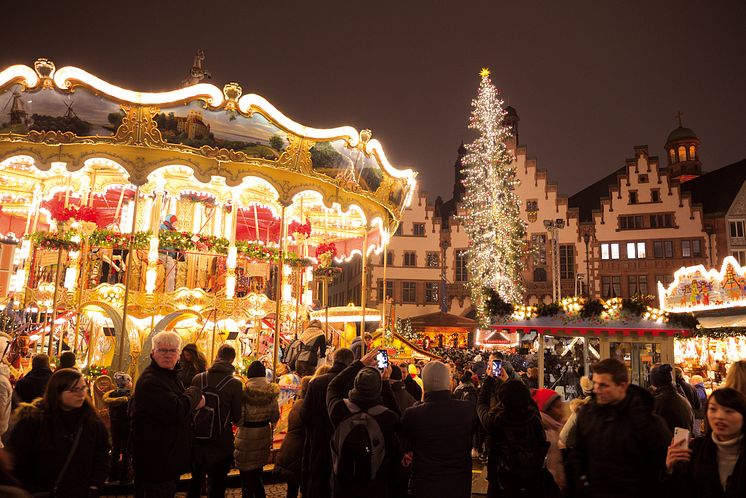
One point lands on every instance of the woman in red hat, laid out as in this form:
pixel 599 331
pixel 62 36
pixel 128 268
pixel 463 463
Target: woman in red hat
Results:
pixel 553 417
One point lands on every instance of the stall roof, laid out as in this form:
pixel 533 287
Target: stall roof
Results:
pixel 547 325
pixel 442 320
pixel 726 317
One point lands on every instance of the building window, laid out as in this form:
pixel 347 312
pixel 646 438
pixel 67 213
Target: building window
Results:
pixel 609 251
pixel 635 250
pixel 642 179
pixel 663 249
pixel 432 259
pixel 692 153
pixel 631 222
pixel 637 285
pixel 399 229
pixel 740 257
pixel 418 229
pixel 460 266
pixel 540 275
pixel 409 292
pixel 736 230
pixel 655 196
pixel 539 249
pixel 633 197
pixel 697 248
pixel 389 257
pixel 661 220
pixel 389 289
pixel 431 292
pixel 682 153
pixel 686 249
pixel 664 279
pixel 611 286
pixel 567 261
pixel 672 155
pixel 410 258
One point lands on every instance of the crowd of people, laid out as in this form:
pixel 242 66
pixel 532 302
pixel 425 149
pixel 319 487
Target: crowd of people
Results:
pixel 363 428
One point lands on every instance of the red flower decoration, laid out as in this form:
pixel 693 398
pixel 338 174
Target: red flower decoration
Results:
pixel 325 248
pixel 303 229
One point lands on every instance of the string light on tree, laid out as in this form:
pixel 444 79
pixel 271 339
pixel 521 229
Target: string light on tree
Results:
pixel 492 219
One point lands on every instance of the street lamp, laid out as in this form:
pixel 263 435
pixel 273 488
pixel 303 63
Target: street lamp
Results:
pixel 587 239
pixel 553 227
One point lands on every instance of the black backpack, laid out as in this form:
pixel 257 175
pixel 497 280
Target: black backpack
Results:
pixel 521 459
pixel 358 445
pixel 208 420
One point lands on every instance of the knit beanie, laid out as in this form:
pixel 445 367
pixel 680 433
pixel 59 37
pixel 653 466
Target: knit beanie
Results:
pixel 436 377
pixel 514 395
pixel 544 398
pixel 586 384
pixel 395 373
pixel 661 375
pixel 367 386
pixel 256 369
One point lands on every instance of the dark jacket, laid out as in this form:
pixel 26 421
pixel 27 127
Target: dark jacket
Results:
pixel 412 387
pixel 384 482
pixel 317 467
pixel 619 450
pixel 314 348
pixel 33 384
pixel 403 399
pixel 467 392
pixel 40 444
pixel 289 459
pixel 357 347
pixel 699 478
pixel 117 402
pixel 689 393
pixel 439 431
pixel 699 389
pixel 161 412
pixel 499 423
pixel 211 452
pixel 673 408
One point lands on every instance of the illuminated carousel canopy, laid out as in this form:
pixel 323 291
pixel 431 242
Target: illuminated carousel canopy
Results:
pixel 66 132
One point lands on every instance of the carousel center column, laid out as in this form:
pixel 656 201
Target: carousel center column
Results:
pixel 278 291
pixel 128 278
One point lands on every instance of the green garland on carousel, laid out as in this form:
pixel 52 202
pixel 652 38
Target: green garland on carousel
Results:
pixel 54 240
pixel 94 371
pixel 719 332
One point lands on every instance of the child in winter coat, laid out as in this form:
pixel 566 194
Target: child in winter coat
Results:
pixel 253 442
pixel 117 401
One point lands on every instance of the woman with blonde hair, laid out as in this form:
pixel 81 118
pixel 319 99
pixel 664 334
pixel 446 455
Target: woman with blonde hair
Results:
pixel 736 377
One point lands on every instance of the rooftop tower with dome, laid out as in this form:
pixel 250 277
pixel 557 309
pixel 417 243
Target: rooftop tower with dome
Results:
pixel 682 150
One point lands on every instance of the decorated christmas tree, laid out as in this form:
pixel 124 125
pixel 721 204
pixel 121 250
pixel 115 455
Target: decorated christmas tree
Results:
pixel 492 218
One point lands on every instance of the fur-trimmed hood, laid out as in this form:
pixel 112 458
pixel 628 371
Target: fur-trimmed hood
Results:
pixel 116 397
pixel 258 391
pixel 34 410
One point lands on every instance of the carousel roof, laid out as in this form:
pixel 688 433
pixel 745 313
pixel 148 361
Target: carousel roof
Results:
pixel 442 320
pixel 66 130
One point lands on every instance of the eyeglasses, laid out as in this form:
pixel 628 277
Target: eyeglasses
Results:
pixel 77 390
pixel 167 351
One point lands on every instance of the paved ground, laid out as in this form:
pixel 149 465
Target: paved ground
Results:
pixel 278 490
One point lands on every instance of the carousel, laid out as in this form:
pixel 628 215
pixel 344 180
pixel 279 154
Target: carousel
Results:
pixel 199 210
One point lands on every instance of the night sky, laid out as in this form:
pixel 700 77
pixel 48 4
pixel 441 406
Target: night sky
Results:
pixel 589 79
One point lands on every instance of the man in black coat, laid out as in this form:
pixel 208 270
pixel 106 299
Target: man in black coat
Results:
pixel 161 413
pixel 618 445
pixel 440 434
pixel 34 383
pixel 371 389
pixel 403 399
pixel 215 456
pixel 317 459
pixel 669 404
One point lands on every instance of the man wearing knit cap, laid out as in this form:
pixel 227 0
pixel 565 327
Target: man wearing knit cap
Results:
pixel 370 390
pixel 440 434
pixel 669 404
pixel 403 399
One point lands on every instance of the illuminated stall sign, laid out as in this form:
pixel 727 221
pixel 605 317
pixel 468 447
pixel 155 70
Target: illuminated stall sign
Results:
pixel 695 288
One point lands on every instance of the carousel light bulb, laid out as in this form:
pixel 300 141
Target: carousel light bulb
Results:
pixel 230 286
pixel 287 292
pixel 309 297
pixel 20 280
pixel 150 277
pixel 153 252
pixel 71 276
pixel 230 261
